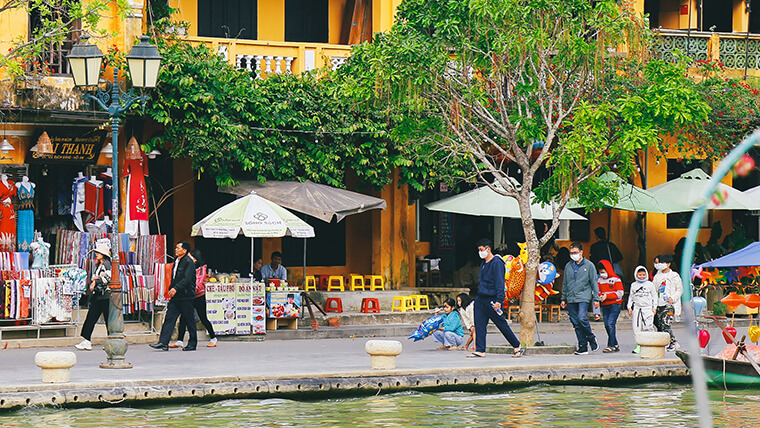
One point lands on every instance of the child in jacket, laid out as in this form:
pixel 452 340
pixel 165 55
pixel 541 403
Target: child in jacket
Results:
pixel 642 302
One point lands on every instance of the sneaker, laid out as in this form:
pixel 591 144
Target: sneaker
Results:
pixel 594 345
pixel 581 351
pixel 212 343
pixel 177 344
pixel 84 345
pixel 673 346
pixel 637 349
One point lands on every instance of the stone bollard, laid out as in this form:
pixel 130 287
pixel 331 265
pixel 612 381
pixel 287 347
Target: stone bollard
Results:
pixel 55 365
pixel 652 344
pixel 383 353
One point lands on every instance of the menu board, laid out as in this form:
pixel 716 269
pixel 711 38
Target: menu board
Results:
pixel 243 307
pixel 258 308
pixel 220 307
pixel 284 304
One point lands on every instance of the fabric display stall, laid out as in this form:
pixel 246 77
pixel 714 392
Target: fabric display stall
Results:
pixel 138 289
pixel 41 295
pixel 14 261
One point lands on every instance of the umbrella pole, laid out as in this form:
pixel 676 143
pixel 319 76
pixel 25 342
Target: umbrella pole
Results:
pixel 252 258
pixel 304 263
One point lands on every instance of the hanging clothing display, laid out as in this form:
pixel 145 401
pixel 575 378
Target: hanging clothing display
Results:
pixel 107 179
pixel 77 202
pixel 40 254
pixel 14 261
pixel 136 212
pixel 93 200
pixel 7 215
pixel 25 216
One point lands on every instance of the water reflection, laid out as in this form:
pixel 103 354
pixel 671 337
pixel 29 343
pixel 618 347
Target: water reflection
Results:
pixel 654 405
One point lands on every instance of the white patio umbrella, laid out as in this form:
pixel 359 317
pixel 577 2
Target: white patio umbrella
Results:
pixel 753 192
pixel 689 188
pixel 254 217
pixel 485 202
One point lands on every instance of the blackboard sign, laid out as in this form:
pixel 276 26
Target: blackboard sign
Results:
pixel 70 145
pixel 445 231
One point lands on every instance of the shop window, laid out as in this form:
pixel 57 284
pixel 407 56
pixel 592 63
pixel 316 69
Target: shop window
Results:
pixel 717 14
pixel 676 167
pixel 233 19
pixel 306 21
pixel 52 57
pixel 327 248
pixel 580 230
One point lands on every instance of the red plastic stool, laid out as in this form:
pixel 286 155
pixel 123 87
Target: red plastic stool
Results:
pixel 338 307
pixel 370 304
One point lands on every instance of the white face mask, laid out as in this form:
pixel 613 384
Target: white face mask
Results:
pixel 483 254
pixel 576 257
pixel 660 266
pixel 603 275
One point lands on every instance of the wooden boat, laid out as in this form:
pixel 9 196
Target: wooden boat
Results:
pixel 726 374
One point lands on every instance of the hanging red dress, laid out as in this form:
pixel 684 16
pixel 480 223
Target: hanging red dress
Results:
pixel 137 194
pixel 7 217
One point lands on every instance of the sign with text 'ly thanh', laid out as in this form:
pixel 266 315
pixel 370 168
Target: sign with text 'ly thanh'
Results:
pixel 70 145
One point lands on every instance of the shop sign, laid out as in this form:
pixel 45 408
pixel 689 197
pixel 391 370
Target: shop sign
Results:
pixel 70 145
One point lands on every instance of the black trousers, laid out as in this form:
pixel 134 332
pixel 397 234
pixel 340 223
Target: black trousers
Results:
pixel 97 307
pixel 199 303
pixel 173 311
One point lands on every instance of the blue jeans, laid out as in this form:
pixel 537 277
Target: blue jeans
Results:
pixel 484 312
pixel 579 319
pixel 448 338
pixel 610 314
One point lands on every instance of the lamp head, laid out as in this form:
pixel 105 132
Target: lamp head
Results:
pixel 144 62
pixel 85 60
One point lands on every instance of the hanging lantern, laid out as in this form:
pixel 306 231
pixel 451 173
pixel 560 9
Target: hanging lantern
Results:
pixel 44 145
pixel 700 304
pixel 752 301
pixel 133 150
pixel 733 301
pixel 704 338
pixel 754 333
pixel 732 332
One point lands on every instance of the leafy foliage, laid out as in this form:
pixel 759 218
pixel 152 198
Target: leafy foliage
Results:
pixel 283 127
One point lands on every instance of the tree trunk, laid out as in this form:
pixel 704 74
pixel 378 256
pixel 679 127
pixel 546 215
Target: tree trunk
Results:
pixel 527 299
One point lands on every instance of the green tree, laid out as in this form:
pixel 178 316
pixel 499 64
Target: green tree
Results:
pixel 540 84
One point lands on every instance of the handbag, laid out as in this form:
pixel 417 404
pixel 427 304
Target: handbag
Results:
pixel 200 281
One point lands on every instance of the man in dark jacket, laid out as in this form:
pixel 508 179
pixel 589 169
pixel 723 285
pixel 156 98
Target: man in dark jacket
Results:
pixel 181 292
pixel 489 301
pixel 579 288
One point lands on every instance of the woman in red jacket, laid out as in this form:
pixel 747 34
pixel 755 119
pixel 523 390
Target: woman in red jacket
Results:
pixel 611 297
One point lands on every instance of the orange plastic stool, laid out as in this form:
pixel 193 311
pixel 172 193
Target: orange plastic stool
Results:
pixel 370 304
pixel 337 307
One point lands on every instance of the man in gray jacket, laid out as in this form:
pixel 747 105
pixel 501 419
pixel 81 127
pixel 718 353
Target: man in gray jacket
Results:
pixel 579 288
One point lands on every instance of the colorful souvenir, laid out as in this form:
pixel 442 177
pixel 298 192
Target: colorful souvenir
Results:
pixel 427 327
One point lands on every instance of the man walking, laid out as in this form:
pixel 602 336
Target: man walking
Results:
pixel 579 287
pixel 489 300
pixel 181 292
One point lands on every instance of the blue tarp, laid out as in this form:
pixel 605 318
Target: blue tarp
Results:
pixel 747 256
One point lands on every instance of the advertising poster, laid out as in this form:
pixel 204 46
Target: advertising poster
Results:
pixel 284 304
pixel 220 307
pixel 243 307
pixel 258 308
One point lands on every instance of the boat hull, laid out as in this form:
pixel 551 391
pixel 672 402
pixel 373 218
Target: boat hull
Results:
pixel 723 374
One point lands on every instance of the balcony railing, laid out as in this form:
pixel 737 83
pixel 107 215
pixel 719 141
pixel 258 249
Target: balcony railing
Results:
pixel 264 58
pixel 734 50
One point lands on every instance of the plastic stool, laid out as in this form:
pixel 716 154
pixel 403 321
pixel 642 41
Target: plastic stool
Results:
pixel 356 282
pixel 338 307
pixel 370 304
pixel 420 301
pixel 310 283
pixel 331 287
pixel 402 303
pixel 374 282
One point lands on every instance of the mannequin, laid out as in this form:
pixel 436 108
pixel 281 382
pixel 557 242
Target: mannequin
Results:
pixel 7 215
pixel 94 180
pixel 77 202
pixel 80 175
pixel 41 253
pixel 25 192
pixel 109 172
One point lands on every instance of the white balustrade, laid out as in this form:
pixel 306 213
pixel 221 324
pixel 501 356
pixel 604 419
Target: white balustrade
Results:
pixel 337 61
pixel 271 64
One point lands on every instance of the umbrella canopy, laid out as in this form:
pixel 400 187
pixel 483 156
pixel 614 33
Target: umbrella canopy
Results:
pixel 485 202
pixel 254 217
pixel 689 189
pixel 753 192
pixel 632 198
pixel 317 200
pixel 747 256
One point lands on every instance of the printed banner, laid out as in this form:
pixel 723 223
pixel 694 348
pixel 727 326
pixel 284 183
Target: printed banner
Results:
pixel 220 307
pixel 284 304
pixel 258 308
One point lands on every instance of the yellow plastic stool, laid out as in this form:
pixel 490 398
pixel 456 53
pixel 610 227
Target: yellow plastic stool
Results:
pixel 402 303
pixel 374 282
pixel 310 283
pixel 420 301
pixel 356 282
pixel 331 287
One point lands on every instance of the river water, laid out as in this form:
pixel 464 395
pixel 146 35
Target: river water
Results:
pixel 651 405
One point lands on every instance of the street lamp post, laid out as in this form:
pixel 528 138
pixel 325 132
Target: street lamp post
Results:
pixel 143 63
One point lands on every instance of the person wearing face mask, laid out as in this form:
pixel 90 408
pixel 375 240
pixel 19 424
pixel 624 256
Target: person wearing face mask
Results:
pixel 489 299
pixel 642 303
pixel 611 296
pixel 579 288
pixel 669 290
